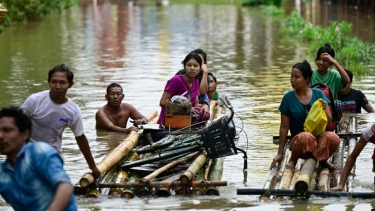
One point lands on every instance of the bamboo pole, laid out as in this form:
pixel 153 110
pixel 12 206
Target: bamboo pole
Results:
pixel 294 179
pixel 198 191
pixel 78 190
pixel 216 172
pixel 122 175
pixel 285 178
pixel 163 191
pixel 313 179
pixel 120 151
pixel 108 176
pixel 199 161
pixel 218 114
pixel 323 179
pixel 213 109
pixel 207 170
pixel 128 192
pixel 119 177
pixel 154 174
pixel 93 193
pixel 293 193
pixel 338 161
pixel 144 191
pixel 271 181
pixel 303 180
pixel 154 184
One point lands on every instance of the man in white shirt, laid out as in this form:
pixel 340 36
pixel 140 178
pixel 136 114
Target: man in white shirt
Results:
pixel 51 111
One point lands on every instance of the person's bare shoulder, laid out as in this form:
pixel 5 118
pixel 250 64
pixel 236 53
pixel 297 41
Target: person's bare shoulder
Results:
pixel 127 106
pixel 100 111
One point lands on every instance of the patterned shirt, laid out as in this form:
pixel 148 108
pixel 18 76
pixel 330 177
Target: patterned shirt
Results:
pixel 31 184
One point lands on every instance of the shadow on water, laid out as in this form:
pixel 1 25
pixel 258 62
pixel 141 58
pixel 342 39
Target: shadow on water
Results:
pixel 141 45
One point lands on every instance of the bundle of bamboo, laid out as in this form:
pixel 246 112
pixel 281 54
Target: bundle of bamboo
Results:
pixel 178 162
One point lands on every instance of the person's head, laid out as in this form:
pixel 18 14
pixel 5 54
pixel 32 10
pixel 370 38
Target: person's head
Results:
pixel 350 74
pixel 301 75
pixel 15 130
pixel 60 79
pixel 346 90
pixel 192 64
pixel 63 69
pixel 202 54
pixel 114 94
pixel 212 82
pixel 320 61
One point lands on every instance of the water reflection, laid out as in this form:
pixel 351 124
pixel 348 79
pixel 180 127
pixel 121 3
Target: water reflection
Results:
pixel 141 45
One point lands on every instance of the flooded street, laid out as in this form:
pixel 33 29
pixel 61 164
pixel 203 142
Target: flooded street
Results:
pixel 140 46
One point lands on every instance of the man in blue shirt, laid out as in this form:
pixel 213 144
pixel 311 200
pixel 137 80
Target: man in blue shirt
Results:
pixel 32 176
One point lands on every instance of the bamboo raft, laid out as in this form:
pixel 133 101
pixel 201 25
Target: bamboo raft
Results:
pixel 309 178
pixel 179 162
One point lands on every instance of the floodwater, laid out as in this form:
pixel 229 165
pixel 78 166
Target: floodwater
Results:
pixel 141 45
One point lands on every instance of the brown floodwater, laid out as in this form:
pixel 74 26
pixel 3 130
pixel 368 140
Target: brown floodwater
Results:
pixel 141 45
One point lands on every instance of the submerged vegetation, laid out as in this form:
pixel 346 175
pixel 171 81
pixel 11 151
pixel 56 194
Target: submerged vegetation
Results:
pixel 31 10
pixel 261 2
pixel 352 53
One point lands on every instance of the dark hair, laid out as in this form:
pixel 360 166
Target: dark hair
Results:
pixel 350 74
pixel 61 68
pixel 305 69
pixel 22 121
pixel 325 49
pixel 201 52
pixel 212 75
pixel 113 85
pixel 192 55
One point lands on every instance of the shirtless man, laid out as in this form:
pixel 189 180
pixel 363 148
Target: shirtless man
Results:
pixel 114 115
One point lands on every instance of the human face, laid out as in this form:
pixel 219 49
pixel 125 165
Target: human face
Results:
pixel 114 96
pixel 346 90
pixel 211 84
pixel 323 63
pixel 11 140
pixel 59 84
pixel 297 80
pixel 192 68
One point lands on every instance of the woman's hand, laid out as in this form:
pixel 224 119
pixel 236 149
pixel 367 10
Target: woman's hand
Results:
pixel 277 159
pixel 204 68
pixel 328 57
pixel 324 104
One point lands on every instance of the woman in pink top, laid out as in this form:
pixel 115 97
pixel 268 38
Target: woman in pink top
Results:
pixel 187 83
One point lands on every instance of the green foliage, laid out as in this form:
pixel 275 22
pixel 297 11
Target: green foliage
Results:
pixel 261 2
pixel 31 10
pixel 272 10
pixel 351 52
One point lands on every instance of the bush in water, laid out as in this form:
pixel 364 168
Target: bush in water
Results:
pixel 351 52
pixel 31 10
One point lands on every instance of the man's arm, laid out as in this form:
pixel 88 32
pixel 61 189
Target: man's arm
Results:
pixel 350 161
pixel 137 116
pixel 83 145
pixel 369 108
pixel 62 197
pixel 103 121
